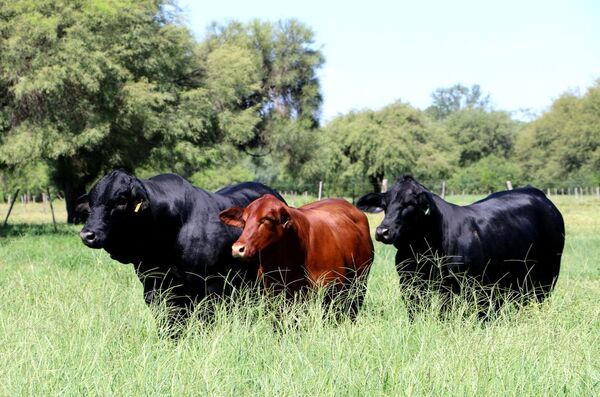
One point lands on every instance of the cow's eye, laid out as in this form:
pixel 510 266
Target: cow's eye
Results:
pixel 407 210
pixel 121 201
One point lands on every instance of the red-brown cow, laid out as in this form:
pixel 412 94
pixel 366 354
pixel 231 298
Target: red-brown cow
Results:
pixel 326 243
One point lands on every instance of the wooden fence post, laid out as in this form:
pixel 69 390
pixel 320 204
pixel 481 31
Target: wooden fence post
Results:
pixel 509 185
pixel 51 209
pixel 384 185
pixel 320 189
pixel 10 207
pixel 443 189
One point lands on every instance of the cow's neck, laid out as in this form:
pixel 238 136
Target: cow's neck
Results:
pixel 283 263
pixel 429 236
pixel 161 225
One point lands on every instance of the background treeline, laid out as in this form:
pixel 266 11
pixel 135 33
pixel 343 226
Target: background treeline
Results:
pixel 87 86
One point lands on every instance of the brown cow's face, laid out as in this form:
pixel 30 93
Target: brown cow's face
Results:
pixel 264 221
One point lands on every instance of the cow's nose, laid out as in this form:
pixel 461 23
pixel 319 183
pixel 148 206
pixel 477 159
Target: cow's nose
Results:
pixel 382 233
pixel 237 250
pixel 87 236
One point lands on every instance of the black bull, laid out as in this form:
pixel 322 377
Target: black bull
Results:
pixel 171 232
pixel 510 241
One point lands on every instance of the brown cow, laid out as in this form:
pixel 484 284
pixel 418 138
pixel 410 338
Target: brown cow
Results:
pixel 325 243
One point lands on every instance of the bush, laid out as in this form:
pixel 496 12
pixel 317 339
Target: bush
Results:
pixel 216 178
pixel 488 174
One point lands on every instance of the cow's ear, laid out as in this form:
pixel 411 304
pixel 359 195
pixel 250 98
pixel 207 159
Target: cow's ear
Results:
pixel 139 196
pixel 371 202
pixel 285 219
pixel 84 199
pixel 424 203
pixel 82 208
pixel 233 217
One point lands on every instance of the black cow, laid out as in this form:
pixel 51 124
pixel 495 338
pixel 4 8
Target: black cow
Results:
pixel 511 241
pixel 171 232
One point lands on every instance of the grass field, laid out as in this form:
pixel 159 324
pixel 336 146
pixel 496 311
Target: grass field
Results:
pixel 74 322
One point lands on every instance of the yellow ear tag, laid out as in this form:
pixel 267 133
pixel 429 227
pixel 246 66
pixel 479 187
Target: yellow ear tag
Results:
pixel 138 206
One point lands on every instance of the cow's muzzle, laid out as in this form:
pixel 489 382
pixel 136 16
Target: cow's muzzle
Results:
pixel 90 238
pixel 383 234
pixel 238 250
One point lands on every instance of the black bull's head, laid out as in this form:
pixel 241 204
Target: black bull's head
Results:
pixel 407 205
pixel 113 206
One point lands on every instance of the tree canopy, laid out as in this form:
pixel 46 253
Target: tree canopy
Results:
pixel 562 147
pixel 480 133
pixel 88 86
pixel 92 85
pixel 373 145
pixel 448 100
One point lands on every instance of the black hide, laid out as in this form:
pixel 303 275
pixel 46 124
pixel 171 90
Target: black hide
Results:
pixel 170 231
pixel 511 240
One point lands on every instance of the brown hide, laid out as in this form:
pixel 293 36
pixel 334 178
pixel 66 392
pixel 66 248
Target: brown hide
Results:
pixel 317 244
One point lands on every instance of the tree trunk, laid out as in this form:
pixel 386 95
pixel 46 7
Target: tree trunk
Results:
pixel 375 181
pixel 73 191
pixel 71 176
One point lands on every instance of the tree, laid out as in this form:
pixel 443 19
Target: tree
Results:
pixel 488 174
pixel 372 145
pixel 31 178
pixel 261 78
pixel 562 147
pixel 285 92
pixel 458 97
pixel 89 85
pixel 479 133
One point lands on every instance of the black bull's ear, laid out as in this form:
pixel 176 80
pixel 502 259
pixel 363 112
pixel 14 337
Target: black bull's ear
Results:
pixel 424 203
pixel 139 195
pixel 82 208
pixel 83 200
pixel 371 202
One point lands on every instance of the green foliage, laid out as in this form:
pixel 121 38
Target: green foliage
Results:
pixel 458 97
pixel 488 174
pixel 31 178
pixel 276 98
pixel 369 146
pixel 90 86
pixel 479 133
pixel 562 147
pixel 216 178
pixel 93 85
pixel 87 86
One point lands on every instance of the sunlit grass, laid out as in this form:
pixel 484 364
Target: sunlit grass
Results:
pixel 74 322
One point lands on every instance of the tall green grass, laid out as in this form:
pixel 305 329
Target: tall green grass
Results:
pixel 74 322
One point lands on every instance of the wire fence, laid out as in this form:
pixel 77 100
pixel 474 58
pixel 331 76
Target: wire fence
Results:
pixel 350 190
pixel 355 190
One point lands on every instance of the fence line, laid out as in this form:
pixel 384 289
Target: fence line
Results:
pixel 357 189
pixel 322 190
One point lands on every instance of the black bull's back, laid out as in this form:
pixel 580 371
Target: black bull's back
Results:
pixel 511 240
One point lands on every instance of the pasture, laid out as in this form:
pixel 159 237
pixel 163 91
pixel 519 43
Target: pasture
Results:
pixel 74 322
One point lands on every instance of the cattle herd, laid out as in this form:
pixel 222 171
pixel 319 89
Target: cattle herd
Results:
pixel 189 245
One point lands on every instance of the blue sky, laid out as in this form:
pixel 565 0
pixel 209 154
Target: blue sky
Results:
pixel 524 53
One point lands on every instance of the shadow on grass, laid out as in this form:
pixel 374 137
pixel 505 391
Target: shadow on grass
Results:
pixel 45 229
